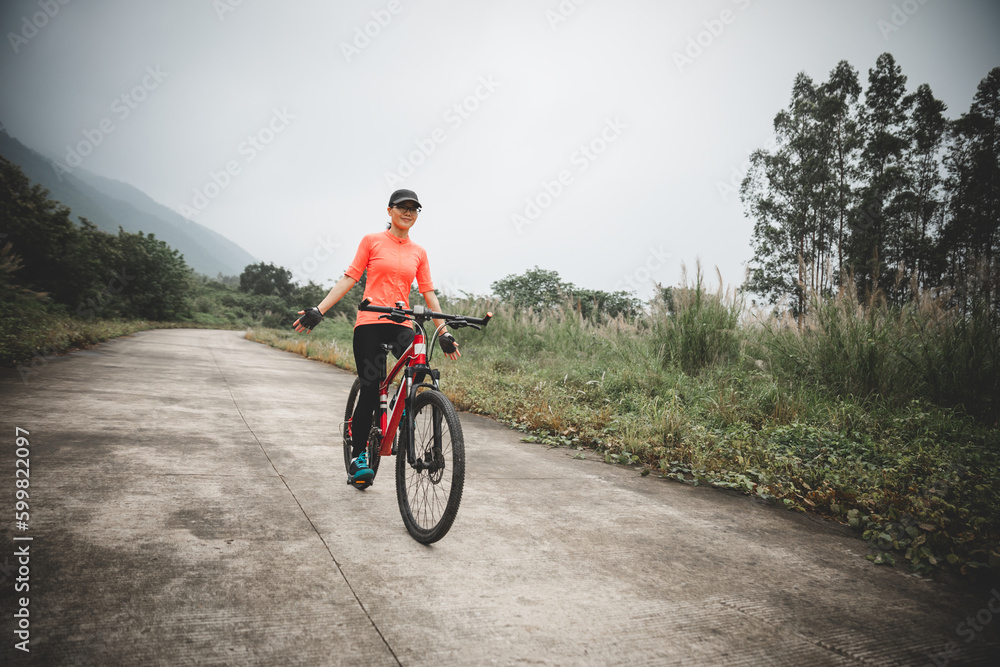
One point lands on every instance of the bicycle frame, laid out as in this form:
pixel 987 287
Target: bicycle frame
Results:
pixel 413 361
pixel 415 366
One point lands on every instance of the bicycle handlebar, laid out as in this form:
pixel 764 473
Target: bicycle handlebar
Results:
pixel 424 314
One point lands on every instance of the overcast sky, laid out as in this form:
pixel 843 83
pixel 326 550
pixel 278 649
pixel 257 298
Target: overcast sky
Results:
pixel 625 123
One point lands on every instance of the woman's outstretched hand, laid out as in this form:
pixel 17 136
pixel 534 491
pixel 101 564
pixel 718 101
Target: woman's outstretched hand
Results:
pixel 310 318
pixel 449 346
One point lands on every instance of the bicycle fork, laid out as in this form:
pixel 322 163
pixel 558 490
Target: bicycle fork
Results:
pixel 432 460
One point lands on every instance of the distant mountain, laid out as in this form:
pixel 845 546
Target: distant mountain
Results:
pixel 110 204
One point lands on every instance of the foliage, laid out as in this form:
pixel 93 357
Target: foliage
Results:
pixel 852 192
pixel 21 311
pixel 225 304
pixel 971 234
pixel 84 270
pixel 348 305
pixel 536 288
pixel 879 353
pixel 595 303
pixel 698 329
pixel 155 279
pixel 542 290
pixel 905 330
pixel 266 280
pixel 41 234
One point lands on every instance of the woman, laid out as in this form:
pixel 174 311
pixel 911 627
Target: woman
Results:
pixel 392 261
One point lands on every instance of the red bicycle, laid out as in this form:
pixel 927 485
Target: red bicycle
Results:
pixel 421 419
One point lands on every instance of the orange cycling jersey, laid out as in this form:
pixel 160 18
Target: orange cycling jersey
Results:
pixel 392 264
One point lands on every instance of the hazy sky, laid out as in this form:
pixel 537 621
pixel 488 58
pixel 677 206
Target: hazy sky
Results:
pixel 613 129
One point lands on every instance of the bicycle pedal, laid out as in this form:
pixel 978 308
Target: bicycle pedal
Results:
pixel 360 484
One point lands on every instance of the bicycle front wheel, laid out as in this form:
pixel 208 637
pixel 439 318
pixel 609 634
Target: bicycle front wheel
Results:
pixel 430 490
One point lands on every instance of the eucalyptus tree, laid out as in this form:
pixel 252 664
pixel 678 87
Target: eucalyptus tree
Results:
pixel 840 117
pixel 875 245
pixel 971 237
pixel 923 202
pixel 798 192
pixel 856 188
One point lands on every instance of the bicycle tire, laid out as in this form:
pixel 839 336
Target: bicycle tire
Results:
pixel 373 451
pixel 429 499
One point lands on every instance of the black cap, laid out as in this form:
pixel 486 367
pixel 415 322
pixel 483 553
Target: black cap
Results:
pixel 403 195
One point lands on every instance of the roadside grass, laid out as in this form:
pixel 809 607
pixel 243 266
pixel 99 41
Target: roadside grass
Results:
pixel 880 419
pixel 23 341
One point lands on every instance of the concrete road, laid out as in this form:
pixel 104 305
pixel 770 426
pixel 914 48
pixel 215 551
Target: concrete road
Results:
pixel 188 506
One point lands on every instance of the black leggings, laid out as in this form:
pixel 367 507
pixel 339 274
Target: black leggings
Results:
pixel 369 357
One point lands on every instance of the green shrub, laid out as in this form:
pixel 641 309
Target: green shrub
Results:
pixel 696 329
pixel 892 354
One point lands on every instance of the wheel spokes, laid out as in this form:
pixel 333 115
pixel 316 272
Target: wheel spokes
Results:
pixel 429 490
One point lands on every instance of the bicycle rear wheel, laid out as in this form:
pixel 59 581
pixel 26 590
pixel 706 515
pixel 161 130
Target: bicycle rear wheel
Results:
pixel 373 449
pixel 430 491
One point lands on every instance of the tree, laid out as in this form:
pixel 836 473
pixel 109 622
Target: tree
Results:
pixel 535 288
pixel 839 111
pixel 266 279
pixel 859 186
pixel 922 202
pixel 876 231
pixel 971 236
pixel 41 234
pixel 154 281
pixel 796 192
pixel 86 271
pixel 542 290
pixel 590 303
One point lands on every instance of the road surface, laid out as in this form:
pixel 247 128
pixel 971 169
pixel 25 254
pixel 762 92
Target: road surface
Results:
pixel 188 506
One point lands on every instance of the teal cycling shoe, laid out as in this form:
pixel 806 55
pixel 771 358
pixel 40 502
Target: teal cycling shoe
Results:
pixel 361 475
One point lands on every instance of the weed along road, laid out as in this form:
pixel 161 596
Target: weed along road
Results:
pixel 188 505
